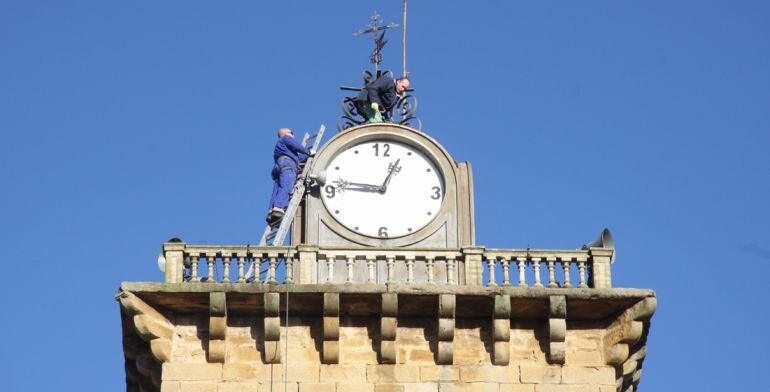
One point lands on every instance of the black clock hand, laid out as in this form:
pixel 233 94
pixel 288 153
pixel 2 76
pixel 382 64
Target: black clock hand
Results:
pixel 354 186
pixel 392 170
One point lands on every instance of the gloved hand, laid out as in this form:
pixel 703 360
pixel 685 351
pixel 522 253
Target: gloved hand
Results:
pixel 311 153
pixel 375 106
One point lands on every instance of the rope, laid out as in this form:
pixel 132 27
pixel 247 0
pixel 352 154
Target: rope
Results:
pixel 286 344
pixel 403 44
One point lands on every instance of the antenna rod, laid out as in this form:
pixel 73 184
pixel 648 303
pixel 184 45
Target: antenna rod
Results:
pixel 403 44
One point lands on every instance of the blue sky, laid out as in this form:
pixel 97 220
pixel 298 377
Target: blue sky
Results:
pixel 126 123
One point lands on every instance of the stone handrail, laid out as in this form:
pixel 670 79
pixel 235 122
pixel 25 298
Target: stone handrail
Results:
pixel 308 264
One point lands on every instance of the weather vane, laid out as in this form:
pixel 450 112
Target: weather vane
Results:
pixel 376 31
pixel 403 111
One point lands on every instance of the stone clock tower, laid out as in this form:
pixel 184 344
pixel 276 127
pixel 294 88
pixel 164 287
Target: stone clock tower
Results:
pixel 386 185
pixel 383 289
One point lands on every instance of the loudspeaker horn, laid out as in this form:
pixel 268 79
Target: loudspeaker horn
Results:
pixel 604 240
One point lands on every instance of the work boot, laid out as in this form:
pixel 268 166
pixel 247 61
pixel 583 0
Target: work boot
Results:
pixel 274 216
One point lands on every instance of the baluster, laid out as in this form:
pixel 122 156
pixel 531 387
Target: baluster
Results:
pixel 194 268
pixel 522 278
pixel 410 269
pixel 289 268
pixel 351 260
pixel 551 273
pixel 429 265
pixel 506 278
pixel 241 264
pixel 370 264
pixel 582 269
pixel 273 259
pixel 536 263
pixel 211 259
pixel 565 266
pixel 450 270
pixel 226 268
pixel 330 269
pixel 491 261
pixel 391 261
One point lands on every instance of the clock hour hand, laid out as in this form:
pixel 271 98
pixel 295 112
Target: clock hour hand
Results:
pixel 392 169
pixel 355 186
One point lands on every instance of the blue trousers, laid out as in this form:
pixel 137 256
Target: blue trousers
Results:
pixel 284 175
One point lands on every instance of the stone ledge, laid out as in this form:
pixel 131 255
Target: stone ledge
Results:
pixel 364 299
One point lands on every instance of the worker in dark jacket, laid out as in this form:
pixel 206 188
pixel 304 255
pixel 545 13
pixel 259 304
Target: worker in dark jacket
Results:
pixel 287 155
pixel 379 96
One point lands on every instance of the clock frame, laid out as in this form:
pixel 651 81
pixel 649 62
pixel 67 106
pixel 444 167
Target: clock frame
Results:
pixel 452 227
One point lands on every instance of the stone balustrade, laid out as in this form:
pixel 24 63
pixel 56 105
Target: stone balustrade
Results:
pixel 307 264
pixel 558 266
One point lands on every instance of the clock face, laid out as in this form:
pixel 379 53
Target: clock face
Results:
pixel 383 188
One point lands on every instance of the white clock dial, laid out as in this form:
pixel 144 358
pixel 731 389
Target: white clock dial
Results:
pixel 383 189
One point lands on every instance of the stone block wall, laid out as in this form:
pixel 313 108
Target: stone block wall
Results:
pixel 359 366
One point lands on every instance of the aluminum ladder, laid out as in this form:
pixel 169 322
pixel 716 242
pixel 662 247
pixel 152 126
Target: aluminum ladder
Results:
pixel 276 234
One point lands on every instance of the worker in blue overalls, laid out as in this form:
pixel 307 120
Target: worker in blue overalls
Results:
pixel 287 156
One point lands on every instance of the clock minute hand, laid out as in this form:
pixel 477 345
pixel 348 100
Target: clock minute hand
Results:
pixel 392 171
pixel 355 186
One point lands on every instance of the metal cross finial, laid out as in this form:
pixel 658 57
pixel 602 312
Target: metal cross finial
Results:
pixel 376 31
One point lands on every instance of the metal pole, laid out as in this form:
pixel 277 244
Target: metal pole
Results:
pixel 286 344
pixel 403 44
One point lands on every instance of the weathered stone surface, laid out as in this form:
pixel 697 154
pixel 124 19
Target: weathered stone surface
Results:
pixel 317 387
pixel 192 371
pixel 217 351
pixel 421 387
pixel 557 328
pixel 272 328
pixel 556 352
pixel 161 349
pixel 272 352
pixel 439 373
pixel 517 388
pixel 272 304
pixel 588 375
pixel 584 358
pixel 331 304
pixel 149 327
pixel 501 330
pixel 469 387
pixel 502 307
pixel 446 306
pixel 304 372
pixel 392 373
pixel 566 388
pixel 501 353
pixel 331 328
pixel 558 306
pixel 415 351
pixel 343 373
pixel 170 386
pixel 540 374
pixel 389 305
pixel 445 354
pixel 218 304
pixel 446 330
pixel 239 387
pixel 388 353
pixel 198 386
pixel 245 372
pixel 490 373
pixel 278 386
pixel 388 328
pixel 330 352
pixel 389 388
pixel 355 387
